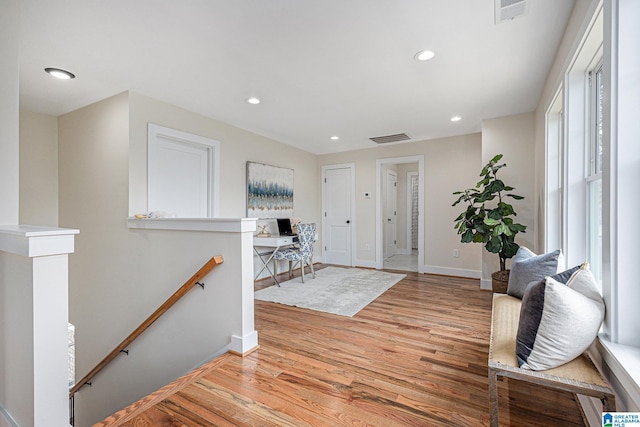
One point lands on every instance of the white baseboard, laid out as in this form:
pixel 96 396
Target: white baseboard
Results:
pixel 365 263
pixel 243 345
pixel 447 271
pixel 404 251
pixel 486 284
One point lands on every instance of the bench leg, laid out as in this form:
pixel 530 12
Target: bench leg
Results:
pixel 493 398
pixel 609 403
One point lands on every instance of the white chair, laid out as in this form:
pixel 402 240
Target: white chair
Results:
pixel 303 253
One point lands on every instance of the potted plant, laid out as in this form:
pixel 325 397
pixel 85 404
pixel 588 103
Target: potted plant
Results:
pixel 488 218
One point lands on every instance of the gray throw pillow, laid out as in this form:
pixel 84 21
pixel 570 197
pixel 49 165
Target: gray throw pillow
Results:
pixel 527 267
pixel 558 322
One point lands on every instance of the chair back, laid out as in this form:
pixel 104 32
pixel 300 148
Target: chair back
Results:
pixel 306 238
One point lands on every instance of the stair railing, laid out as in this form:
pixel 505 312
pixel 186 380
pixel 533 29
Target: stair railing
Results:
pixel 122 347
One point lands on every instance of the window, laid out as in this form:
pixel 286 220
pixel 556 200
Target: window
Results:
pixel 183 173
pixel 597 165
pixel 554 182
pixel 593 180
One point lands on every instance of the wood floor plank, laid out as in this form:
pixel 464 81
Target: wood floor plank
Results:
pixel 416 356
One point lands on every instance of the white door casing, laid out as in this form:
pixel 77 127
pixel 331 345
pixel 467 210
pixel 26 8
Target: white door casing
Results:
pixel 379 207
pixel 338 228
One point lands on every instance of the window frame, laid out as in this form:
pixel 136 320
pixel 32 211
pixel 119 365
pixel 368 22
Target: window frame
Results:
pixel 593 167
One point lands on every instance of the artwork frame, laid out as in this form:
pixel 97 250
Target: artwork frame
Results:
pixel 269 191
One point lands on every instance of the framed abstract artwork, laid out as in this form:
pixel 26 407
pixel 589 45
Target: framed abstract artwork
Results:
pixel 269 191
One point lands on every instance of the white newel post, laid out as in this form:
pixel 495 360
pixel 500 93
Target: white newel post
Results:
pixel 34 387
pixel 242 344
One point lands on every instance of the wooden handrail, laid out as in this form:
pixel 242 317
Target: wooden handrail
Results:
pixel 210 265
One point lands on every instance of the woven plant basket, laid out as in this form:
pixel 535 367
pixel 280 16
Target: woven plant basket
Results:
pixel 499 281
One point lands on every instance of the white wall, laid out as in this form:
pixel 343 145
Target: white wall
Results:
pixel 568 45
pixel 16 326
pixel 512 136
pixel 9 26
pixel 9 187
pixel 451 164
pixel 38 169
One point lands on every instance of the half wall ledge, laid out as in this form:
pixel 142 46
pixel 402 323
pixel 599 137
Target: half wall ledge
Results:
pixel 35 241
pixel 228 225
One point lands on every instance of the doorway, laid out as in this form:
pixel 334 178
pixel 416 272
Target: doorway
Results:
pixel 399 213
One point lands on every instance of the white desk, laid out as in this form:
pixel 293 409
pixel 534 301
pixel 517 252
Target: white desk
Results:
pixel 273 243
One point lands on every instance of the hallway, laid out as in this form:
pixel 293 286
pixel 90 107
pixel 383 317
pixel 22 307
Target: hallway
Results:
pixel 402 262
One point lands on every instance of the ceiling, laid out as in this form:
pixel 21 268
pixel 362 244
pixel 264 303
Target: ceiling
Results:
pixel 321 68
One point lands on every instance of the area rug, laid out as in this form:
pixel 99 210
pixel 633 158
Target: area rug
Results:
pixel 343 291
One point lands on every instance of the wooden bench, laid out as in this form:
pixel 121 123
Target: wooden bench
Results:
pixel 578 376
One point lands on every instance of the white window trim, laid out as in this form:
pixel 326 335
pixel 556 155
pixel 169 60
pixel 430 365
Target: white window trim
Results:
pixel 621 174
pixel 554 219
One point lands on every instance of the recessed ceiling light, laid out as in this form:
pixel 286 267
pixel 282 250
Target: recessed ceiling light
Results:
pixel 253 100
pixel 424 55
pixel 335 137
pixel 455 118
pixel 60 74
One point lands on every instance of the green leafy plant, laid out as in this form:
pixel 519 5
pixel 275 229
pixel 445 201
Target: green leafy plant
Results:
pixel 488 218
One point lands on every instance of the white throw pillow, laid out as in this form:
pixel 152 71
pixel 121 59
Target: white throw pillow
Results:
pixel 558 322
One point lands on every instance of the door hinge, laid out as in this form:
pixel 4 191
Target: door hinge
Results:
pixel 394 242
pixel 325 248
pixel 325 213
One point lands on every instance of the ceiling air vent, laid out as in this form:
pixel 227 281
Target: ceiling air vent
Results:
pixel 506 10
pixel 390 138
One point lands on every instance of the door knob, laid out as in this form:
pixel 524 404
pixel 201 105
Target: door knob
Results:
pixel 348 222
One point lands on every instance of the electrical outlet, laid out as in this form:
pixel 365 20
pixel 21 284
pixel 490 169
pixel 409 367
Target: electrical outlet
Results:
pixel 456 253
pixel 367 247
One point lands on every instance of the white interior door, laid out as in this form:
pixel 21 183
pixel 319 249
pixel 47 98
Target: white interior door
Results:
pixel 337 198
pixel 391 209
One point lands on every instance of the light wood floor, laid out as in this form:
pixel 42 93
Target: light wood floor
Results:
pixel 416 356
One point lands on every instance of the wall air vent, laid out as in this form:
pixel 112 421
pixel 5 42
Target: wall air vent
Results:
pixel 390 138
pixel 506 10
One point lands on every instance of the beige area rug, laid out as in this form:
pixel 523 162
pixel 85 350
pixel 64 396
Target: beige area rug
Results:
pixel 343 291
